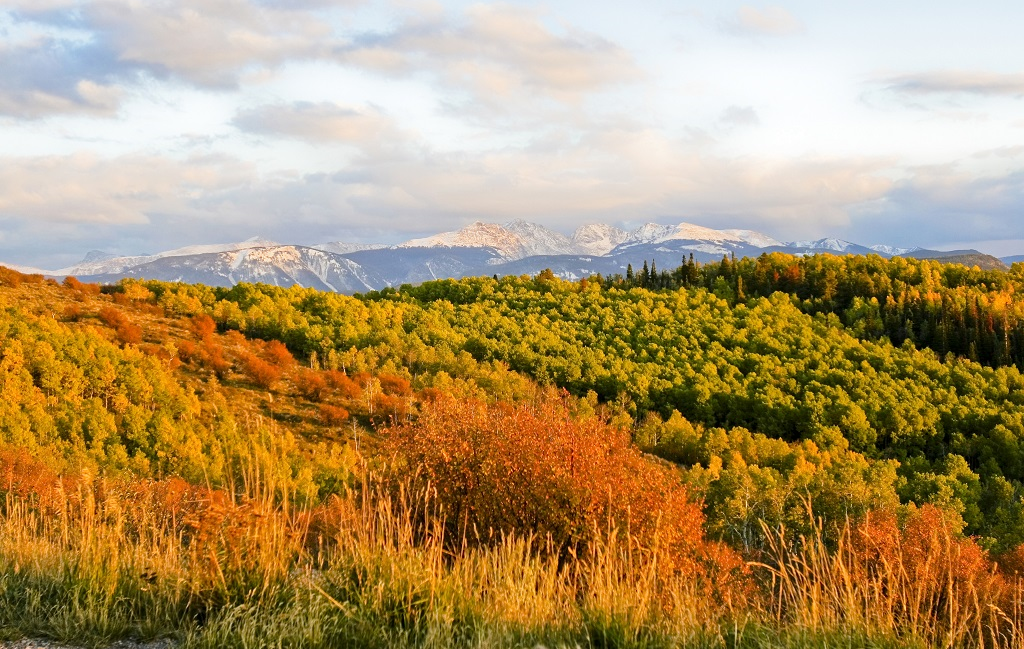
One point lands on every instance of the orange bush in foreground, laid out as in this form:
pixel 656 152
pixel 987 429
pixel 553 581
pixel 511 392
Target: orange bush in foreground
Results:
pixel 536 468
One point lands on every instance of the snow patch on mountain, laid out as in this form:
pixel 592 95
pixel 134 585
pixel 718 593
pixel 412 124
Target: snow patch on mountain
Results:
pixel 514 240
pixel 343 248
pixel 598 238
pixel 474 235
pixel 838 245
pixel 754 238
pixel 657 233
pixel 893 250
pixel 539 240
pixel 254 242
pixel 689 231
pixel 708 248
pixel 649 233
pixel 100 263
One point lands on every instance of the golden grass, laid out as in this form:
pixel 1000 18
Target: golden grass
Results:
pixel 92 560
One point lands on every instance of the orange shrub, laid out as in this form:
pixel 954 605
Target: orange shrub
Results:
pixel 926 570
pixel 110 316
pixel 389 408
pixel 311 385
pixel 926 545
pixel 23 476
pixel 345 386
pixel 333 415
pixel 125 330
pixel 212 357
pixel 77 286
pixel 129 333
pixel 260 372
pixel 1011 563
pixel 203 326
pixel 394 385
pixel 10 277
pixel 275 352
pixel 536 468
pixel 188 351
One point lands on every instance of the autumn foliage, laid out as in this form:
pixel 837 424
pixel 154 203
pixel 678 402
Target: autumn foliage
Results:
pixel 261 372
pixel 127 331
pixel 498 468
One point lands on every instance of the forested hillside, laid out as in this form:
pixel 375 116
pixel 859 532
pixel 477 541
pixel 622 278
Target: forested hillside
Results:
pixel 702 410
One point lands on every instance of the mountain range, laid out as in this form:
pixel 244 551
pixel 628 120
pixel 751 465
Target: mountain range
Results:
pixel 513 248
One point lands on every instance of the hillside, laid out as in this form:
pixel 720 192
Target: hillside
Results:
pixel 272 455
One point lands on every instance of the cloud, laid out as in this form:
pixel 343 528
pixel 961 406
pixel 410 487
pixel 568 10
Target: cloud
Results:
pixel 608 174
pixel 206 42
pixel 935 204
pixel 498 53
pixel 770 21
pixel 739 116
pixel 84 188
pixel 952 82
pixel 46 76
pixel 318 122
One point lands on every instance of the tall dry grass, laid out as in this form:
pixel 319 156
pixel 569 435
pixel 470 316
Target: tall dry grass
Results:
pixel 89 560
pixel 917 582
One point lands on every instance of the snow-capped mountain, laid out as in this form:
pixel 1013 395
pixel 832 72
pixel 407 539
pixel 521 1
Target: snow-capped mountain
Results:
pixel 756 239
pixel 475 235
pixel 648 233
pixel 514 240
pixel 598 238
pixel 343 248
pixel 837 245
pixel 893 251
pixel 277 265
pixel 539 240
pixel 516 248
pixel 657 233
pixel 98 262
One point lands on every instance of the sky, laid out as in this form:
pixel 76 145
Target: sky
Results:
pixel 135 126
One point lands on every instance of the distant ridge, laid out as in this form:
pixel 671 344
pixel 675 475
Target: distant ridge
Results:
pixel 968 258
pixel 517 247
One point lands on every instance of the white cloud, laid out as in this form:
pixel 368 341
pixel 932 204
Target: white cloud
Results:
pixel 318 122
pixel 769 21
pixel 87 98
pixel 44 76
pixel 952 82
pixel 935 204
pixel 498 53
pixel 739 116
pixel 206 42
pixel 84 188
